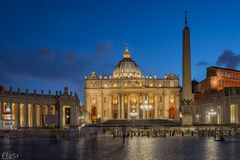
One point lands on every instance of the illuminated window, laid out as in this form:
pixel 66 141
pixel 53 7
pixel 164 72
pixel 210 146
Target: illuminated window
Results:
pixel 105 85
pixel 171 84
pixel 105 113
pixel 160 84
pixel 114 85
pixel 133 100
pixel 171 98
pixel 140 84
pixel 151 98
pixel 52 109
pixel 125 84
pixel 93 100
pixel 150 84
pixel 115 100
pixel 219 115
pixel 234 113
pixel 93 84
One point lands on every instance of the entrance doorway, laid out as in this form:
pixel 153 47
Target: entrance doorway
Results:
pixel 94 113
pixel 115 112
pixel 67 116
pixel 172 111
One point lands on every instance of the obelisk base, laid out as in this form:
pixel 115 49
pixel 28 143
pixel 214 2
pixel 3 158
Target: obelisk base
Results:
pixel 187 115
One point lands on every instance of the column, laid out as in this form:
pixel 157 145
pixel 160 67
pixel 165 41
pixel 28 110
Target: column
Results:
pixel 61 125
pixel 102 110
pixel 138 111
pixel 34 117
pixel 156 106
pixel 1 110
pixel 119 106
pixel 110 107
pixel 26 124
pixel 19 115
pixel 41 115
pixel 76 115
pixel 166 105
pixel 11 106
pixel 99 107
pixel 49 109
pixel 56 116
pixel 177 105
pixel 122 106
pixel 87 111
pixel 143 111
pixel 72 116
pixel 148 104
pixel 128 114
pixel 16 109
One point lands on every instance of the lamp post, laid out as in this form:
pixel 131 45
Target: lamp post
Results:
pixel 133 115
pixel 211 115
pixel 8 120
pixel 180 116
pixel 81 121
pixel 197 116
pixel 146 107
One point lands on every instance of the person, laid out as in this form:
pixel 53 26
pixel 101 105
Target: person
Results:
pixel 124 130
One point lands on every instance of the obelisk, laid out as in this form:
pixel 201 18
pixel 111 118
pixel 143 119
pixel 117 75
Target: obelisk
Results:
pixel 187 97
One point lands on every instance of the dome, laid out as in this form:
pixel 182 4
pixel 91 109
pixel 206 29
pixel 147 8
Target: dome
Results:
pixel 127 68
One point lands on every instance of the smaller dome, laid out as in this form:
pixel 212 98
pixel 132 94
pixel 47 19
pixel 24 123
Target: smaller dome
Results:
pixel 172 76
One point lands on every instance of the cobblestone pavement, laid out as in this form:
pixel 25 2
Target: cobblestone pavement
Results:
pixel 136 148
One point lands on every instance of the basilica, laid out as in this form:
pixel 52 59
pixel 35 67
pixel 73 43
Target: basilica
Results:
pixel 127 91
pixel 129 94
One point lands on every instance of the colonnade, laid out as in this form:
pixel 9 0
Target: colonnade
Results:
pixel 26 114
pixel 119 106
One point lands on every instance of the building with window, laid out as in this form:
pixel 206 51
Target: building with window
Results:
pixel 219 98
pixel 115 96
pixel 219 78
pixel 24 109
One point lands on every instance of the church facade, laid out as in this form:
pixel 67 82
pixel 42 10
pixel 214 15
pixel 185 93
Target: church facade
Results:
pixel 127 90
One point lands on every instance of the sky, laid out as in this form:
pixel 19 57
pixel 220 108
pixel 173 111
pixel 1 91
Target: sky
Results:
pixel 47 45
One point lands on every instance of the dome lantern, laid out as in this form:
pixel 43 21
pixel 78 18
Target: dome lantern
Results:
pixel 126 54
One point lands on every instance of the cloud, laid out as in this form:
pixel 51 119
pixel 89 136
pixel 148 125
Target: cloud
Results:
pixel 228 59
pixel 103 47
pixel 70 57
pixel 52 66
pixel 45 53
pixel 202 64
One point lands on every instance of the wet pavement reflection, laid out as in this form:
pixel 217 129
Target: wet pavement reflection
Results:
pixel 109 148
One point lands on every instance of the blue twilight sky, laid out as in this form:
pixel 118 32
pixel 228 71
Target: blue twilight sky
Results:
pixel 46 45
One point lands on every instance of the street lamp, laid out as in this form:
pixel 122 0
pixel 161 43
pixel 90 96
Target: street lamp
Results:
pixel 197 117
pixel 211 115
pixel 146 107
pixel 8 119
pixel 180 117
pixel 133 115
pixel 81 121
